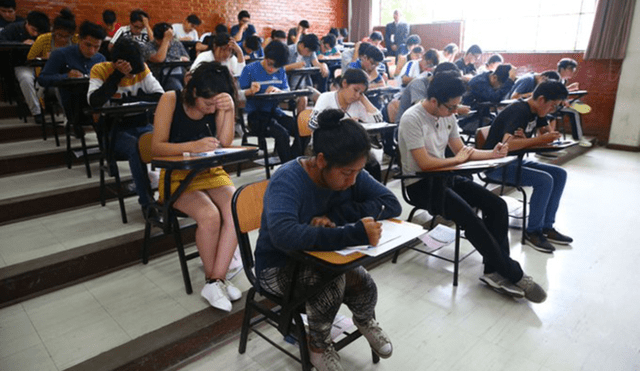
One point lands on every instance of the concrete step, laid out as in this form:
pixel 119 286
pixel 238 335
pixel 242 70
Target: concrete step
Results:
pixel 58 253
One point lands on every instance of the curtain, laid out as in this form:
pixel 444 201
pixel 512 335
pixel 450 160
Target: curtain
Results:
pixel 611 28
pixel 360 19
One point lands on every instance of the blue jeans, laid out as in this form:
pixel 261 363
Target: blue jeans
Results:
pixel 548 184
pixel 125 146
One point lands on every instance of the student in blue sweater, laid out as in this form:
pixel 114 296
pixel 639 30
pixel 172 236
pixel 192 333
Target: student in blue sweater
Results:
pixel 326 202
pixel 266 114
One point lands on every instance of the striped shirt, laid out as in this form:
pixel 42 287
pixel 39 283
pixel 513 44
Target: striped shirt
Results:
pixel 128 86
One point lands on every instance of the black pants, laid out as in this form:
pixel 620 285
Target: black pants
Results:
pixel 489 234
pixel 279 127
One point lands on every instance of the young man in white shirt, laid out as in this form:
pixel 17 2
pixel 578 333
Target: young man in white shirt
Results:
pixel 186 31
pixel 426 129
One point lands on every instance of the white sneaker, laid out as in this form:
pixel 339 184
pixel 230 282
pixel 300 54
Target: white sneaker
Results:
pixel 216 295
pixel 585 143
pixel 329 360
pixel 232 292
pixel 235 266
pixel 377 338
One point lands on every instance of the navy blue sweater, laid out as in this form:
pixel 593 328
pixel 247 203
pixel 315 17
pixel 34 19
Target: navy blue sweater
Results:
pixel 292 200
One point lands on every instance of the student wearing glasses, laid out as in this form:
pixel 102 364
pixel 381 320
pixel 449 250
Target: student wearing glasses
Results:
pixel 426 130
pixel 517 123
pixel 244 28
pixel 138 29
pixel 369 60
pixel 326 202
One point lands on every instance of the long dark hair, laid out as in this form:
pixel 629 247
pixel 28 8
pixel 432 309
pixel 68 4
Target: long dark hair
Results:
pixel 208 80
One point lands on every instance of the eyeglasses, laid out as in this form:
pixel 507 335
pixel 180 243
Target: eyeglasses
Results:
pixel 451 109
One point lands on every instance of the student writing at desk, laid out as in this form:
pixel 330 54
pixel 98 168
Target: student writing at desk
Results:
pixel 426 129
pixel 129 79
pixel 8 13
pixel 200 118
pixel 351 100
pixel 326 202
pixel 224 50
pixel 265 114
pixel 567 69
pixel 303 55
pixel 328 47
pixel 74 61
pixel 369 59
pixel 165 48
pixel 517 124
pixel 467 64
pixel 64 28
pixel 525 84
pixel 26 31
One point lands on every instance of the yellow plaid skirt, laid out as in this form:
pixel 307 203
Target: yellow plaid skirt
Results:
pixel 208 179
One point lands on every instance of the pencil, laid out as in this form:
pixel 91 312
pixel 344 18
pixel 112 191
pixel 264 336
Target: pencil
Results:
pixel 505 142
pixel 380 213
pixel 209 128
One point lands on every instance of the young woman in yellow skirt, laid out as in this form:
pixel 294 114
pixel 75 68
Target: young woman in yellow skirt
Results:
pixel 201 118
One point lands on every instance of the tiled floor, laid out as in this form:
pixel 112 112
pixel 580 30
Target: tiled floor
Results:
pixel 589 321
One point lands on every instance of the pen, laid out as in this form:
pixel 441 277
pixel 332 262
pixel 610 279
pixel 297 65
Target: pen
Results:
pixel 209 128
pixel 380 213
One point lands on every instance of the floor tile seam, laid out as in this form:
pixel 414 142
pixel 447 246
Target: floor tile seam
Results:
pixel 40 337
pixel 107 312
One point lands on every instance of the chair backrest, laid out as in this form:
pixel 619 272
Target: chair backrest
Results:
pixel 303 123
pixel 481 136
pixel 246 207
pixel 144 147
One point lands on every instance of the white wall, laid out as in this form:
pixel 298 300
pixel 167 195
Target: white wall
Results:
pixel 625 126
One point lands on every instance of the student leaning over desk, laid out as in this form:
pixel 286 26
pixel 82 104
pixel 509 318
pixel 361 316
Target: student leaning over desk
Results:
pixel 201 118
pixel 517 124
pixel 426 129
pixel 326 202
pixel 350 98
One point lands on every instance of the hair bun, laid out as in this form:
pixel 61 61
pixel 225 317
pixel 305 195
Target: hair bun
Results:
pixel 66 13
pixel 330 119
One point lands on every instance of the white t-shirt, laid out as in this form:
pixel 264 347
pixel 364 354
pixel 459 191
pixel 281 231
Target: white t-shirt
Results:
pixel 232 63
pixel 355 110
pixel 179 33
pixel 418 128
pixel 411 69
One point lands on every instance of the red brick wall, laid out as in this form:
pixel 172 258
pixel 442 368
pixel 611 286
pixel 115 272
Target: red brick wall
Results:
pixel 265 14
pixel 599 77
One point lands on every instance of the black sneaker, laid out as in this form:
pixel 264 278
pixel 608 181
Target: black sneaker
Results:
pixel 539 242
pixel 556 237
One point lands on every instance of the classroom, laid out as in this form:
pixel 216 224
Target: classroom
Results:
pixel 201 184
